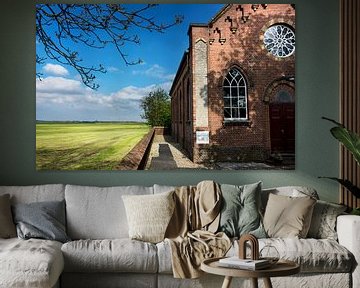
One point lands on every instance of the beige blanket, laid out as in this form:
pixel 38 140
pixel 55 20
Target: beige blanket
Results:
pixel 191 231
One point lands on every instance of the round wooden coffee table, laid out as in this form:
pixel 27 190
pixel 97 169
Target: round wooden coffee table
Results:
pixel 281 268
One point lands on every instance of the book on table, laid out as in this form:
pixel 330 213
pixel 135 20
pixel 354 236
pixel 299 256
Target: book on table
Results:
pixel 249 264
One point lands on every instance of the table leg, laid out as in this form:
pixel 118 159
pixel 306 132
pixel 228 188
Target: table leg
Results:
pixel 267 283
pixel 254 282
pixel 227 282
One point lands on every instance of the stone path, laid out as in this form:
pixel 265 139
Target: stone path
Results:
pixel 166 155
pixel 165 160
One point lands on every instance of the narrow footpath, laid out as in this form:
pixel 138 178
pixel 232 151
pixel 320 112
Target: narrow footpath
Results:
pixel 165 154
pixel 165 160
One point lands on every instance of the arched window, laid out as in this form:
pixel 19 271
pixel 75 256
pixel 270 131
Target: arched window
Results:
pixel 235 96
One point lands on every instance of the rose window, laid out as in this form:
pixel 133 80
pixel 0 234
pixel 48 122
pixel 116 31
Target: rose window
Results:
pixel 279 40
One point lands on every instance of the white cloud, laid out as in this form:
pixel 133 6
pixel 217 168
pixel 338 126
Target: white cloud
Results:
pixel 55 69
pixel 70 99
pixel 155 71
pixel 58 89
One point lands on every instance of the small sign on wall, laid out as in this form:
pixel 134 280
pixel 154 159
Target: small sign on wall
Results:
pixel 202 137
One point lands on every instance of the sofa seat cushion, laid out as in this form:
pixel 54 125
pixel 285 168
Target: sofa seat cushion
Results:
pixel 30 263
pixel 313 255
pixel 110 255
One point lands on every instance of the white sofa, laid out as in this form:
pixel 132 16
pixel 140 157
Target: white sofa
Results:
pixel 102 255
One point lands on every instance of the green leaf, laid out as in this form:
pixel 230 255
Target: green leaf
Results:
pixel 348 138
pixel 355 211
pixel 347 184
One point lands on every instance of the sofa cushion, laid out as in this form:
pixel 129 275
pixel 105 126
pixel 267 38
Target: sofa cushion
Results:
pixel 30 263
pixel 149 215
pixel 313 255
pixel 35 193
pixel 116 255
pixel 240 210
pixel 98 213
pixel 164 257
pixel 291 191
pixel 287 216
pixel 43 220
pixel 7 226
pixel 109 280
pixel 323 222
pixel 163 188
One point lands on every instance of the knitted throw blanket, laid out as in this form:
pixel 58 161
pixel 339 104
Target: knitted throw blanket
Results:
pixel 191 232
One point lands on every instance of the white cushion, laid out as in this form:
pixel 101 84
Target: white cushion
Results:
pixel 30 263
pixel 149 215
pixel 117 255
pixel 98 212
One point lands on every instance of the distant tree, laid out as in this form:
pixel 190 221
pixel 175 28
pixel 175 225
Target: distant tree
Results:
pixel 157 108
pixel 61 26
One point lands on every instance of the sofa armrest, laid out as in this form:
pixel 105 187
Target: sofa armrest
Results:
pixel 348 230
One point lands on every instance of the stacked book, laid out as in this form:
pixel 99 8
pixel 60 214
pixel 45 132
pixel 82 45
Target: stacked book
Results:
pixel 248 264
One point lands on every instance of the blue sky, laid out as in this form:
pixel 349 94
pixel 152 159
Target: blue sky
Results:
pixel 61 96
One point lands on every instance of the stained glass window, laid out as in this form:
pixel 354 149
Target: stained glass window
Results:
pixel 279 40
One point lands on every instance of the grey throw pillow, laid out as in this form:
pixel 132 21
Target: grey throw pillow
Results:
pixel 323 222
pixel 44 220
pixel 240 213
pixel 7 227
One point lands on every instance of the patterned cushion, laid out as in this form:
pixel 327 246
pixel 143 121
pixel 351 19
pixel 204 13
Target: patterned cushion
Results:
pixel 323 223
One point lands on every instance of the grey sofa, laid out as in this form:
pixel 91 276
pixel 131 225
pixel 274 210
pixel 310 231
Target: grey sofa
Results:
pixel 102 255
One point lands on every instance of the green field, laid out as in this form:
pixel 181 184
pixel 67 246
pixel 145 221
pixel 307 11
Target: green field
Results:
pixel 85 146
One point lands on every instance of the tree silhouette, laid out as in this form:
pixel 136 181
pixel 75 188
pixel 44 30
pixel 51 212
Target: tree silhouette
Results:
pixel 60 26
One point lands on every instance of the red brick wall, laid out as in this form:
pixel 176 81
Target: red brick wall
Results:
pixel 241 47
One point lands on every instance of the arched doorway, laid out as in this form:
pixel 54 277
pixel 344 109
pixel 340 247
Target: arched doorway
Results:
pixel 282 119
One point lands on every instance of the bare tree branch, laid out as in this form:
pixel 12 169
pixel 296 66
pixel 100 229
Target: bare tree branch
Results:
pixel 96 26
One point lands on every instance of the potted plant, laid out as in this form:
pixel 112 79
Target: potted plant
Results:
pixel 351 141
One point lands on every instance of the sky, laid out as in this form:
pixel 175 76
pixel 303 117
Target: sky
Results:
pixel 61 95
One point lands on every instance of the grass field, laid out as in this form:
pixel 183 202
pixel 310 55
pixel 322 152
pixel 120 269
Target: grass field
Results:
pixel 85 146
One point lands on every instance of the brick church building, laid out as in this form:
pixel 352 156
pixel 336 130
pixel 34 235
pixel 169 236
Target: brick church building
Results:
pixel 233 97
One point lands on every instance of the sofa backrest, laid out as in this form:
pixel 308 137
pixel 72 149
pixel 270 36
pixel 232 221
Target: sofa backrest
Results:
pixel 98 212
pixel 35 193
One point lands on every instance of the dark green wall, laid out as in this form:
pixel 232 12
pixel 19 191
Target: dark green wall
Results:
pixel 317 88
